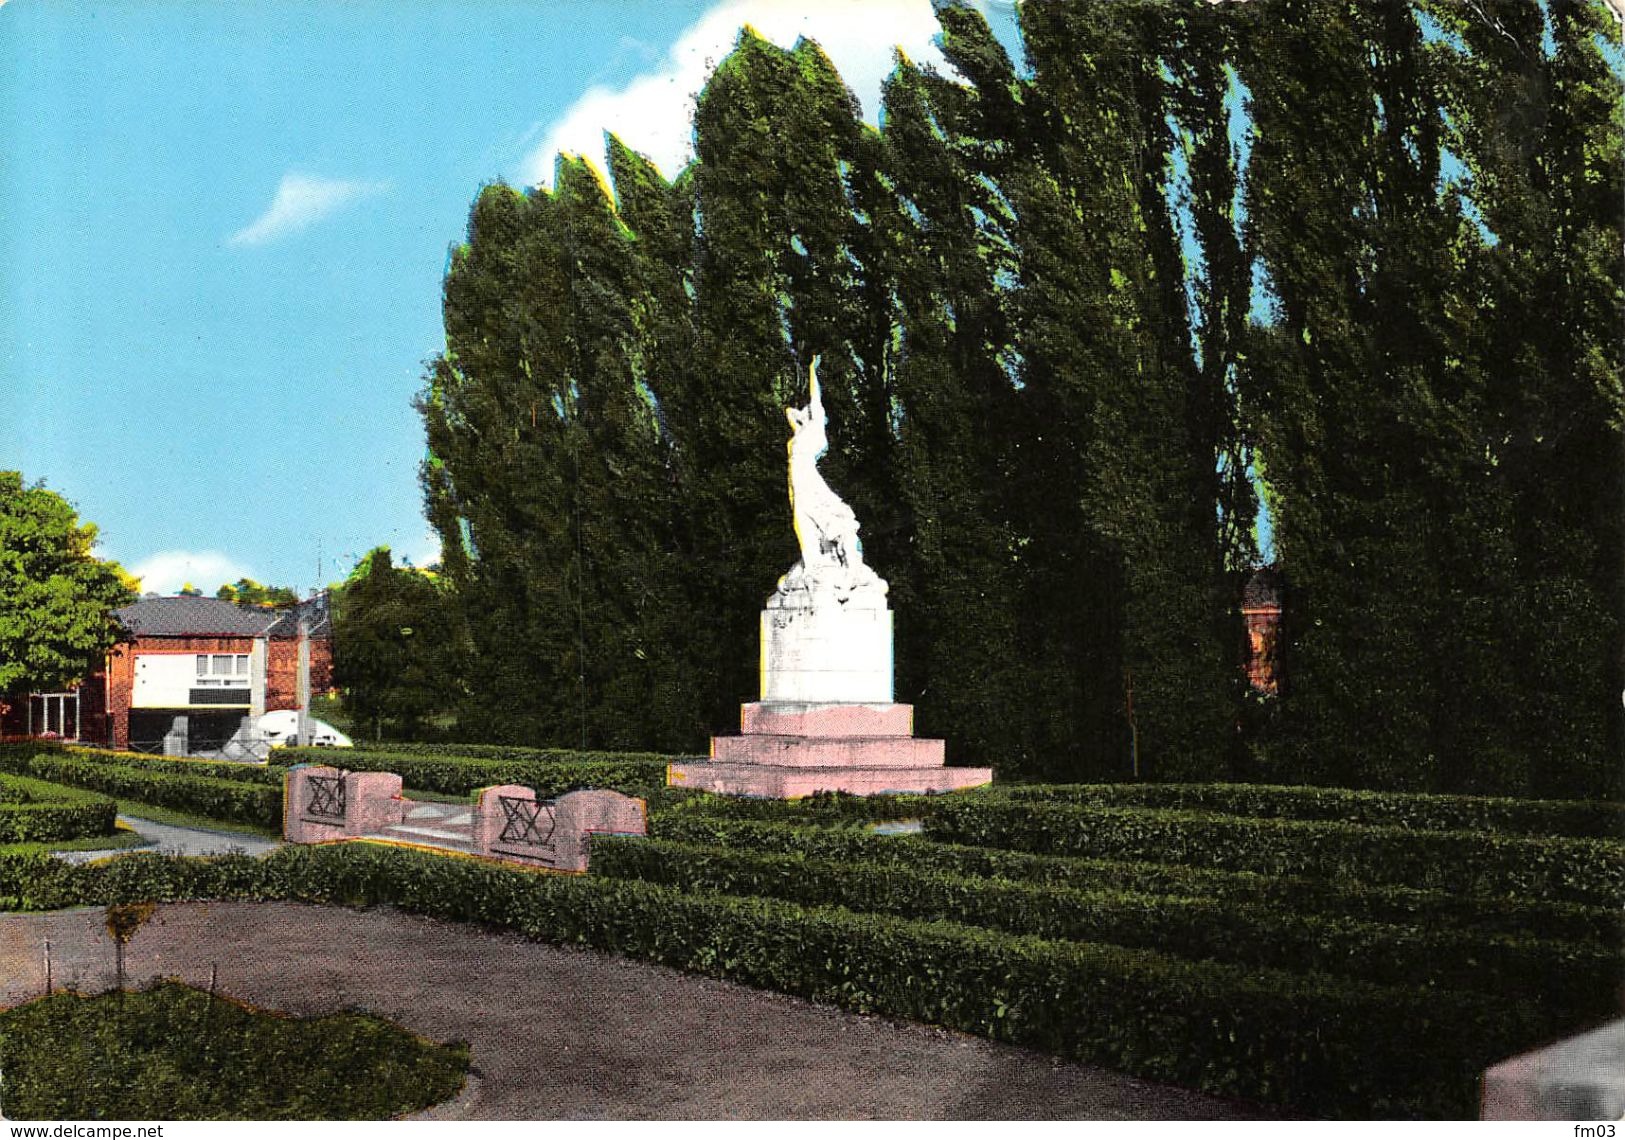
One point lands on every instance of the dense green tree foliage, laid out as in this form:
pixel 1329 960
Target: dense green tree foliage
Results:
pixel 56 597
pixel 397 654
pixel 1069 311
pixel 247 592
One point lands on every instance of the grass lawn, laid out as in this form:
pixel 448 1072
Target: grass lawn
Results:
pixel 119 840
pixel 172 1053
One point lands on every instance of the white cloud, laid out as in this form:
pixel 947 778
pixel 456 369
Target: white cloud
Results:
pixel 300 201
pixel 421 550
pixel 652 113
pixel 168 570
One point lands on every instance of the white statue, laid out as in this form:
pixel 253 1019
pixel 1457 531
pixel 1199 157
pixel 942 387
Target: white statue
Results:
pixel 826 528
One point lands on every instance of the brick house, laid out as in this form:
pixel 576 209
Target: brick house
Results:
pixel 1261 607
pixel 208 662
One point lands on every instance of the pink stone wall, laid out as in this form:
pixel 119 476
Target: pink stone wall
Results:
pixel 299 823
pixel 558 837
pixel 372 801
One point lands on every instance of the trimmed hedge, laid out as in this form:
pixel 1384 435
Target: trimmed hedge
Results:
pixel 1602 926
pixel 824 808
pixel 1576 982
pixel 1573 818
pixel 458 776
pixel 1325 1044
pixel 227 800
pixel 507 752
pixel 182 766
pixel 1586 871
pixel 34 811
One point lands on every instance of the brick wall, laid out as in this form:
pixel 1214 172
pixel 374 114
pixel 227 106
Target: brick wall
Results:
pixel 321 666
pixel 1263 623
pixel 120 676
pixel 282 674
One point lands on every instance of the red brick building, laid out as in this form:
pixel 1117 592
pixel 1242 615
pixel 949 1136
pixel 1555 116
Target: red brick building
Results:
pixel 1261 606
pixel 209 662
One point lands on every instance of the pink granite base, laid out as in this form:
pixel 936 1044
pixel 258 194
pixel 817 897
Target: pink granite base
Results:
pixel 829 751
pixel 791 749
pixel 783 782
pixel 809 718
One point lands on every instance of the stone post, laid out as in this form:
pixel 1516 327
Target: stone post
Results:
pixel 593 812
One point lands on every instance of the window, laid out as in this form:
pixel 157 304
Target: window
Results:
pixel 222 669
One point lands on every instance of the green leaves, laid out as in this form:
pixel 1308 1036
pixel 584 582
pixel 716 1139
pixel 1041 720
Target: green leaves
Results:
pixel 397 650
pixel 56 598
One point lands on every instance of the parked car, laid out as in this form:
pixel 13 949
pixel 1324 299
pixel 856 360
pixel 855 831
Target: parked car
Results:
pixel 282 727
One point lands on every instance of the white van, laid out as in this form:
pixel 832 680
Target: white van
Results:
pixel 282 727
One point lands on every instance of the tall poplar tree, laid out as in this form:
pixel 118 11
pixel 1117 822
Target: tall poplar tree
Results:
pixel 941 221
pixel 1126 572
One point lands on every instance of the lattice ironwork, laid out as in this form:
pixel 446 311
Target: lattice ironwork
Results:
pixel 528 823
pixel 326 796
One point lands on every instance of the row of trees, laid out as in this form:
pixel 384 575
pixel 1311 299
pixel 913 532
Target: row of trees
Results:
pixel 1072 317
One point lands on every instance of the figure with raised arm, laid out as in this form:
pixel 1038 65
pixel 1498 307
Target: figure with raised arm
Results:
pixel 825 526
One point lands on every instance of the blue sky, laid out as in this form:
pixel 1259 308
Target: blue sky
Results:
pixel 223 229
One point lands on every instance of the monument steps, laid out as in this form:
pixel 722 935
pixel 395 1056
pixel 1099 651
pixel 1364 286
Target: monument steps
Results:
pixel 775 781
pixel 444 833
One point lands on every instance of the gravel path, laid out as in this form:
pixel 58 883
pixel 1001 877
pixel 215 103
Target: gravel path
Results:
pixel 180 840
pixel 575 1034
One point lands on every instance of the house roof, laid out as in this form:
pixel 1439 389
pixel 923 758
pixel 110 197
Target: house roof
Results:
pixel 312 610
pixel 1263 590
pixel 214 617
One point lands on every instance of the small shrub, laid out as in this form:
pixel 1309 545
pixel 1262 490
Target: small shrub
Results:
pixel 174 1053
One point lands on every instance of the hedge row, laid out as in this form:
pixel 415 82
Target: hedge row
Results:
pixel 228 800
pixel 508 752
pixel 1573 818
pixel 182 766
pixel 1587 871
pixel 458 776
pixel 1602 926
pixel 1576 982
pixel 1325 1044
pixel 824 808
pixel 34 811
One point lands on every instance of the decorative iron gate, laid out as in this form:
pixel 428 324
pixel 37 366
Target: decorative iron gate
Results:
pixel 326 797
pixel 526 822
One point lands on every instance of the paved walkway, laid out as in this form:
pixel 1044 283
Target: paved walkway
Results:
pixel 180 841
pixel 575 1034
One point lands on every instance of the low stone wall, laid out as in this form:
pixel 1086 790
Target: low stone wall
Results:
pixel 511 823
pixel 508 822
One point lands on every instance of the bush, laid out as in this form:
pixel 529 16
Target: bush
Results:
pixel 506 752
pixel 34 811
pixel 1326 1044
pixel 1576 981
pixel 174 1053
pixel 182 766
pixel 1601 926
pixel 824 808
pixel 229 800
pixel 1576 819
pixel 1586 871
pixel 459 776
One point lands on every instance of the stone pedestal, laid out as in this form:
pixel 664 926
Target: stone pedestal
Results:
pixel 837 652
pixel 826 721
